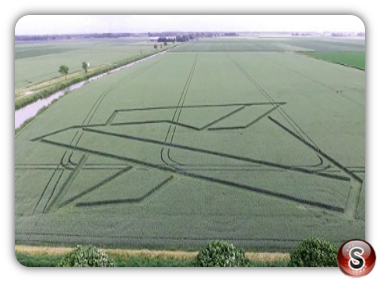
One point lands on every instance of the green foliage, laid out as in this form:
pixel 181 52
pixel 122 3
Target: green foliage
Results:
pixel 220 254
pixel 86 256
pixel 314 252
pixel 38 260
pixel 119 261
pixel 262 263
pixel 84 66
pixel 64 70
pixel 145 261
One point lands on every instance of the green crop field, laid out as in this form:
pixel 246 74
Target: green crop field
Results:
pixel 354 59
pixel 244 140
pixel 39 61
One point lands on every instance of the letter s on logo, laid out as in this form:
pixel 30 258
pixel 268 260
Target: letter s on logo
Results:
pixel 356 261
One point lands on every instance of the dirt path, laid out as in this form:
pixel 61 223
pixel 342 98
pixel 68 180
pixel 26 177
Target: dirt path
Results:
pixel 45 250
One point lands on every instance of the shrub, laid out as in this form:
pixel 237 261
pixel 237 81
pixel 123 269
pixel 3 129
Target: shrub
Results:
pixel 314 252
pixel 86 256
pixel 220 254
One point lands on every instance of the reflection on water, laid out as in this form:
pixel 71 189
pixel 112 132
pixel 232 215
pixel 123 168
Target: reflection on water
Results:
pixel 31 110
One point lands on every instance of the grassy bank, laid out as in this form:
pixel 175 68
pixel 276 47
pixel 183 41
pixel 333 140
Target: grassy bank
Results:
pixel 351 59
pixel 47 88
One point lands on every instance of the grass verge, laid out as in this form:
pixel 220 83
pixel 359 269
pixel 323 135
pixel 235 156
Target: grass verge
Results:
pixel 50 87
pixel 40 260
pixel 41 256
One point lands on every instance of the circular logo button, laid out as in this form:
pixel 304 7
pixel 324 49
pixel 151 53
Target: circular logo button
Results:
pixel 356 258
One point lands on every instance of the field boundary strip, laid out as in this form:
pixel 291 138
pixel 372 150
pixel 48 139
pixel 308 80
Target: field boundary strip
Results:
pixel 180 254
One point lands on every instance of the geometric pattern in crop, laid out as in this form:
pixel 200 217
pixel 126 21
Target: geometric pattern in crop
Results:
pixel 233 165
pixel 221 118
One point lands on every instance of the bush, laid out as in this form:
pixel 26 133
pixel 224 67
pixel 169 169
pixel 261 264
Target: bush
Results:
pixel 314 252
pixel 220 254
pixel 86 256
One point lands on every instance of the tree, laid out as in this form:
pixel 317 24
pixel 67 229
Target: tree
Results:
pixel 84 66
pixel 64 70
pixel 220 254
pixel 86 256
pixel 314 252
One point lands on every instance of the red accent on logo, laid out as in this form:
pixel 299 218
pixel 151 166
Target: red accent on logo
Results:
pixel 356 258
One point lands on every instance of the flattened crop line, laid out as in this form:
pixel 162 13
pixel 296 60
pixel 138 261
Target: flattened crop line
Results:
pixel 124 201
pixel 266 192
pixel 140 122
pixel 62 192
pixel 246 126
pixel 227 128
pixel 200 106
pixel 156 121
pixel 110 119
pixel 54 132
pixel 348 172
pixel 93 188
pixel 46 186
pixel 38 167
pixel 52 193
pixel 250 166
pixel 223 117
pixel 193 149
pixel 94 125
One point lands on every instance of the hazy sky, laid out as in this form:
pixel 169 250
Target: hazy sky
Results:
pixel 63 24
